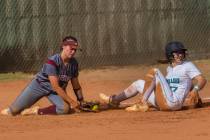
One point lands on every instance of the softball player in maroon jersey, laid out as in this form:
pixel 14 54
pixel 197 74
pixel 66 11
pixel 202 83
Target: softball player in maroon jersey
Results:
pixel 51 82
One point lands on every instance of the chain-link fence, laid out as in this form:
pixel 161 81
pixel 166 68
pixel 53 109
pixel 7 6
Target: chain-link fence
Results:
pixel 110 32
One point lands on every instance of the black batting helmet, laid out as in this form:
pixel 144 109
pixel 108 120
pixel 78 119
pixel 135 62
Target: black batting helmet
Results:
pixel 172 47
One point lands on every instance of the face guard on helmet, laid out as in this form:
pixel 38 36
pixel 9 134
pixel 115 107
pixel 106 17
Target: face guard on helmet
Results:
pixel 174 47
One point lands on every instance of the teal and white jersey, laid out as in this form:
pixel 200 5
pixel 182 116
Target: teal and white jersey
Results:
pixel 180 78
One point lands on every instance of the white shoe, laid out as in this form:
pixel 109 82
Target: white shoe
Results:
pixel 30 111
pixel 6 111
pixel 138 107
pixel 104 97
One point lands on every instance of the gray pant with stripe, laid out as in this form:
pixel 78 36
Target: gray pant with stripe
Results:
pixel 32 93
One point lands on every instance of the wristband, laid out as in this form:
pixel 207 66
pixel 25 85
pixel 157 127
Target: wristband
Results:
pixel 79 95
pixel 196 88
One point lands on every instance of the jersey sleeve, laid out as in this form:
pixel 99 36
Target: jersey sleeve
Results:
pixel 50 68
pixel 192 70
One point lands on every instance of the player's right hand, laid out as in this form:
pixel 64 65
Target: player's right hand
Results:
pixel 74 105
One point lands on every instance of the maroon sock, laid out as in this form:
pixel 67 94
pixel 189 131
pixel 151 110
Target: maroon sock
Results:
pixel 48 110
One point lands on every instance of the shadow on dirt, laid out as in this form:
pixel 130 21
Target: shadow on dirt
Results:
pixel 205 103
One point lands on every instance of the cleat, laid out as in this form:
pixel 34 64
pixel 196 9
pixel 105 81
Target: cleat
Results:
pixel 138 108
pixel 6 111
pixel 30 111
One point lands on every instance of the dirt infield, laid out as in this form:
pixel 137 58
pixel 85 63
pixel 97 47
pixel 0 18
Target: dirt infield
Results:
pixel 190 124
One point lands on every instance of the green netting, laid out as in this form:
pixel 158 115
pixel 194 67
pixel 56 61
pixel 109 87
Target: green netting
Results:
pixel 110 32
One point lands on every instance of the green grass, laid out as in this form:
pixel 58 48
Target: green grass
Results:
pixel 14 76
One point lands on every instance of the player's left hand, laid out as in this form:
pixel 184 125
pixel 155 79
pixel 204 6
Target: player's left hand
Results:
pixel 194 99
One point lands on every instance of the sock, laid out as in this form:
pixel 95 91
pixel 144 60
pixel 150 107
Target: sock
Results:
pixel 116 99
pixel 123 96
pixel 131 91
pixel 48 110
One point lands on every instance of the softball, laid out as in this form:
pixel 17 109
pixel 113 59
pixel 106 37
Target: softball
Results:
pixel 95 108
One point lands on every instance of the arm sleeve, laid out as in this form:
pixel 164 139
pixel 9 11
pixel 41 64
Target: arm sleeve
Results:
pixel 192 70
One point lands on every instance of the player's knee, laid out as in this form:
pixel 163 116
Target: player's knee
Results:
pixel 152 71
pixel 63 109
pixel 15 111
pixel 150 74
pixel 138 85
pixel 133 88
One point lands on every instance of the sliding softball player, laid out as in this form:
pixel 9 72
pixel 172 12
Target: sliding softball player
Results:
pixel 164 93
